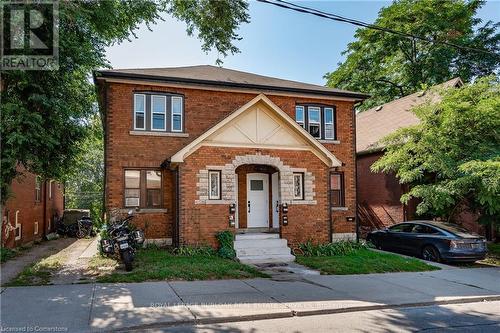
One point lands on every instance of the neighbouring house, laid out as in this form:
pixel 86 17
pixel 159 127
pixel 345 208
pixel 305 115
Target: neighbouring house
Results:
pixel 31 210
pixel 379 194
pixel 204 149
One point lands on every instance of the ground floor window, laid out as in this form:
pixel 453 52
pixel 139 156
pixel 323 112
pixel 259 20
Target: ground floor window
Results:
pixel 298 186
pixel 143 188
pixel 337 195
pixel 214 185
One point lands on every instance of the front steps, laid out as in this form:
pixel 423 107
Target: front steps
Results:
pixel 262 248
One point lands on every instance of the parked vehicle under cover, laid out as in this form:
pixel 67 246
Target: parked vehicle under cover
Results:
pixel 434 241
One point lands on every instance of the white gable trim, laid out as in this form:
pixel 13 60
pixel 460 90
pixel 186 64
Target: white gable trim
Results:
pixel 317 148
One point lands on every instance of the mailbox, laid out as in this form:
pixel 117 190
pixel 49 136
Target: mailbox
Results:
pixel 231 220
pixel 232 208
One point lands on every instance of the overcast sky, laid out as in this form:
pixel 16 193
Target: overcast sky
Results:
pixel 277 42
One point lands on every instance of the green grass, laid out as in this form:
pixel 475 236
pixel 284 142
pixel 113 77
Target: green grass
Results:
pixel 6 254
pixel 39 273
pixel 364 261
pixel 493 257
pixel 153 264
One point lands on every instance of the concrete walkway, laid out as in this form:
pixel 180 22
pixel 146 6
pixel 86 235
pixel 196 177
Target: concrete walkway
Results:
pixel 110 307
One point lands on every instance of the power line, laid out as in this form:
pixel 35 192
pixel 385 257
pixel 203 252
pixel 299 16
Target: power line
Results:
pixel 335 17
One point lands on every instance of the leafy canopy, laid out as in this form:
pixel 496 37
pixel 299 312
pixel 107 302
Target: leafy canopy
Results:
pixel 452 157
pixel 388 66
pixel 44 113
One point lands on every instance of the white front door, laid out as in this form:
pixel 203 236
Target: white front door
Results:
pixel 257 200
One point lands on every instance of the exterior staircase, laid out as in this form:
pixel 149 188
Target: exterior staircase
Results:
pixel 262 248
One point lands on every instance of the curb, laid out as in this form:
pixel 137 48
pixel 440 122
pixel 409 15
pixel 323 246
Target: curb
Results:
pixel 290 314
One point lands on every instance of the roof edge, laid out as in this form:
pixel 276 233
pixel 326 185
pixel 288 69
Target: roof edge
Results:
pixel 154 78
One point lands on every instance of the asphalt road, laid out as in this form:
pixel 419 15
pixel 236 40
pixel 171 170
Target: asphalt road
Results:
pixel 470 317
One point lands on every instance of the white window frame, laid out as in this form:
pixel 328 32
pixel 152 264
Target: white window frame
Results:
pixel 35 231
pixel 136 112
pixel 303 122
pixel 18 225
pixel 219 185
pixel 164 113
pixel 38 188
pixel 132 188
pixel 300 175
pixel 172 113
pixel 332 123
pixel 309 122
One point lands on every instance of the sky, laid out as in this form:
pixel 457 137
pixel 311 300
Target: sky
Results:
pixel 277 42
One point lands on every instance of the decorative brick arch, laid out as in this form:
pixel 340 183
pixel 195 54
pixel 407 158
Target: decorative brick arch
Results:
pixel 228 175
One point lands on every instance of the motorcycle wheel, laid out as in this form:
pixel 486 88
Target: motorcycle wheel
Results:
pixel 127 260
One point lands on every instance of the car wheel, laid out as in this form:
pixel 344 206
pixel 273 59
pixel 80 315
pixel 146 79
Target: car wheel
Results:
pixel 430 253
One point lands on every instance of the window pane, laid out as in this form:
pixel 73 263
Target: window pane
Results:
pixel 314 114
pixel 140 101
pixel 297 186
pixel 336 198
pixel 256 185
pixel 314 130
pixel 139 120
pixel 153 179
pixel 328 115
pixel 214 182
pixel 176 105
pixel 176 122
pixel 158 121
pixel 328 131
pixel 132 197
pixel 132 178
pixel 158 104
pixel 299 114
pixel 335 181
pixel 153 198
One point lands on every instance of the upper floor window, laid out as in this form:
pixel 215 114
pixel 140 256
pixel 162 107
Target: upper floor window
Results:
pixel 38 188
pixel 319 121
pixel 158 112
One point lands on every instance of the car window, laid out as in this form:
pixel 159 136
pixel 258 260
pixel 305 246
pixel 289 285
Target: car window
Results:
pixel 401 228
pixel 423 229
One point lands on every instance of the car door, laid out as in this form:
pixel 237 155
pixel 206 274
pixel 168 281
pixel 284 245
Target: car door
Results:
pixel 396 235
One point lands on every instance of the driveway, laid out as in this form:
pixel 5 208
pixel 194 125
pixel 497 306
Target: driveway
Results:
pixel 104 307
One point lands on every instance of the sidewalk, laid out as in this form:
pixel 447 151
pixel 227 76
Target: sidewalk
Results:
pixel 109 307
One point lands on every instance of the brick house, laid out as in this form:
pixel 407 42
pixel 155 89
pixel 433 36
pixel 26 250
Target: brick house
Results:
pixel 203 149
pixel 379 194
pixel 32 209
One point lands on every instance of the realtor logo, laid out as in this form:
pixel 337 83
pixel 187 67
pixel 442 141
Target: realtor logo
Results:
pixel 30 35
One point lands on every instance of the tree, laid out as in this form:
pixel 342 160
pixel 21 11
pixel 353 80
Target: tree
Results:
pixel 43 113
pixel 389 66
pixel 452 157
pixel 85 185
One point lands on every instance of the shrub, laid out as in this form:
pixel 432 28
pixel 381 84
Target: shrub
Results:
pixel 6 254
pixel 331 249
pixel 226 244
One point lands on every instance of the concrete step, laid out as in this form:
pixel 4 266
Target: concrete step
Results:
pixel 266 251
pixel 256 236
pixel 260 243
pixel 267 259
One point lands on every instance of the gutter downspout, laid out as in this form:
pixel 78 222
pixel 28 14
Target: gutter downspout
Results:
pixel 177 208
pixel 355 168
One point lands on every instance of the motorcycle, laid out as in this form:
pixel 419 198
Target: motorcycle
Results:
pixel 122 241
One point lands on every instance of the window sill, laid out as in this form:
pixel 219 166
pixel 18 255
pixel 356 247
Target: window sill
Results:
pixel 335 142
pixel 340 208
pixel 303 202
pixel 159 133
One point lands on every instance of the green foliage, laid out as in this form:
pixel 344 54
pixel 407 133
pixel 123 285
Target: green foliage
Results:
pixel 389 66
pixel 44 114
pixel 226 244
pixel 310 249
pixel 85 185
pixel 6 254
pixel 195 251
pixel 452 158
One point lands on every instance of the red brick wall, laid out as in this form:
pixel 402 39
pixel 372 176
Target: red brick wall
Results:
pixel 203 109
pixel 30 211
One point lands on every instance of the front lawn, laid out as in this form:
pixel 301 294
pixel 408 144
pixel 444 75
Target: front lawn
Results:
pixel 154 264
pixel 364 261
pixel 493 256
